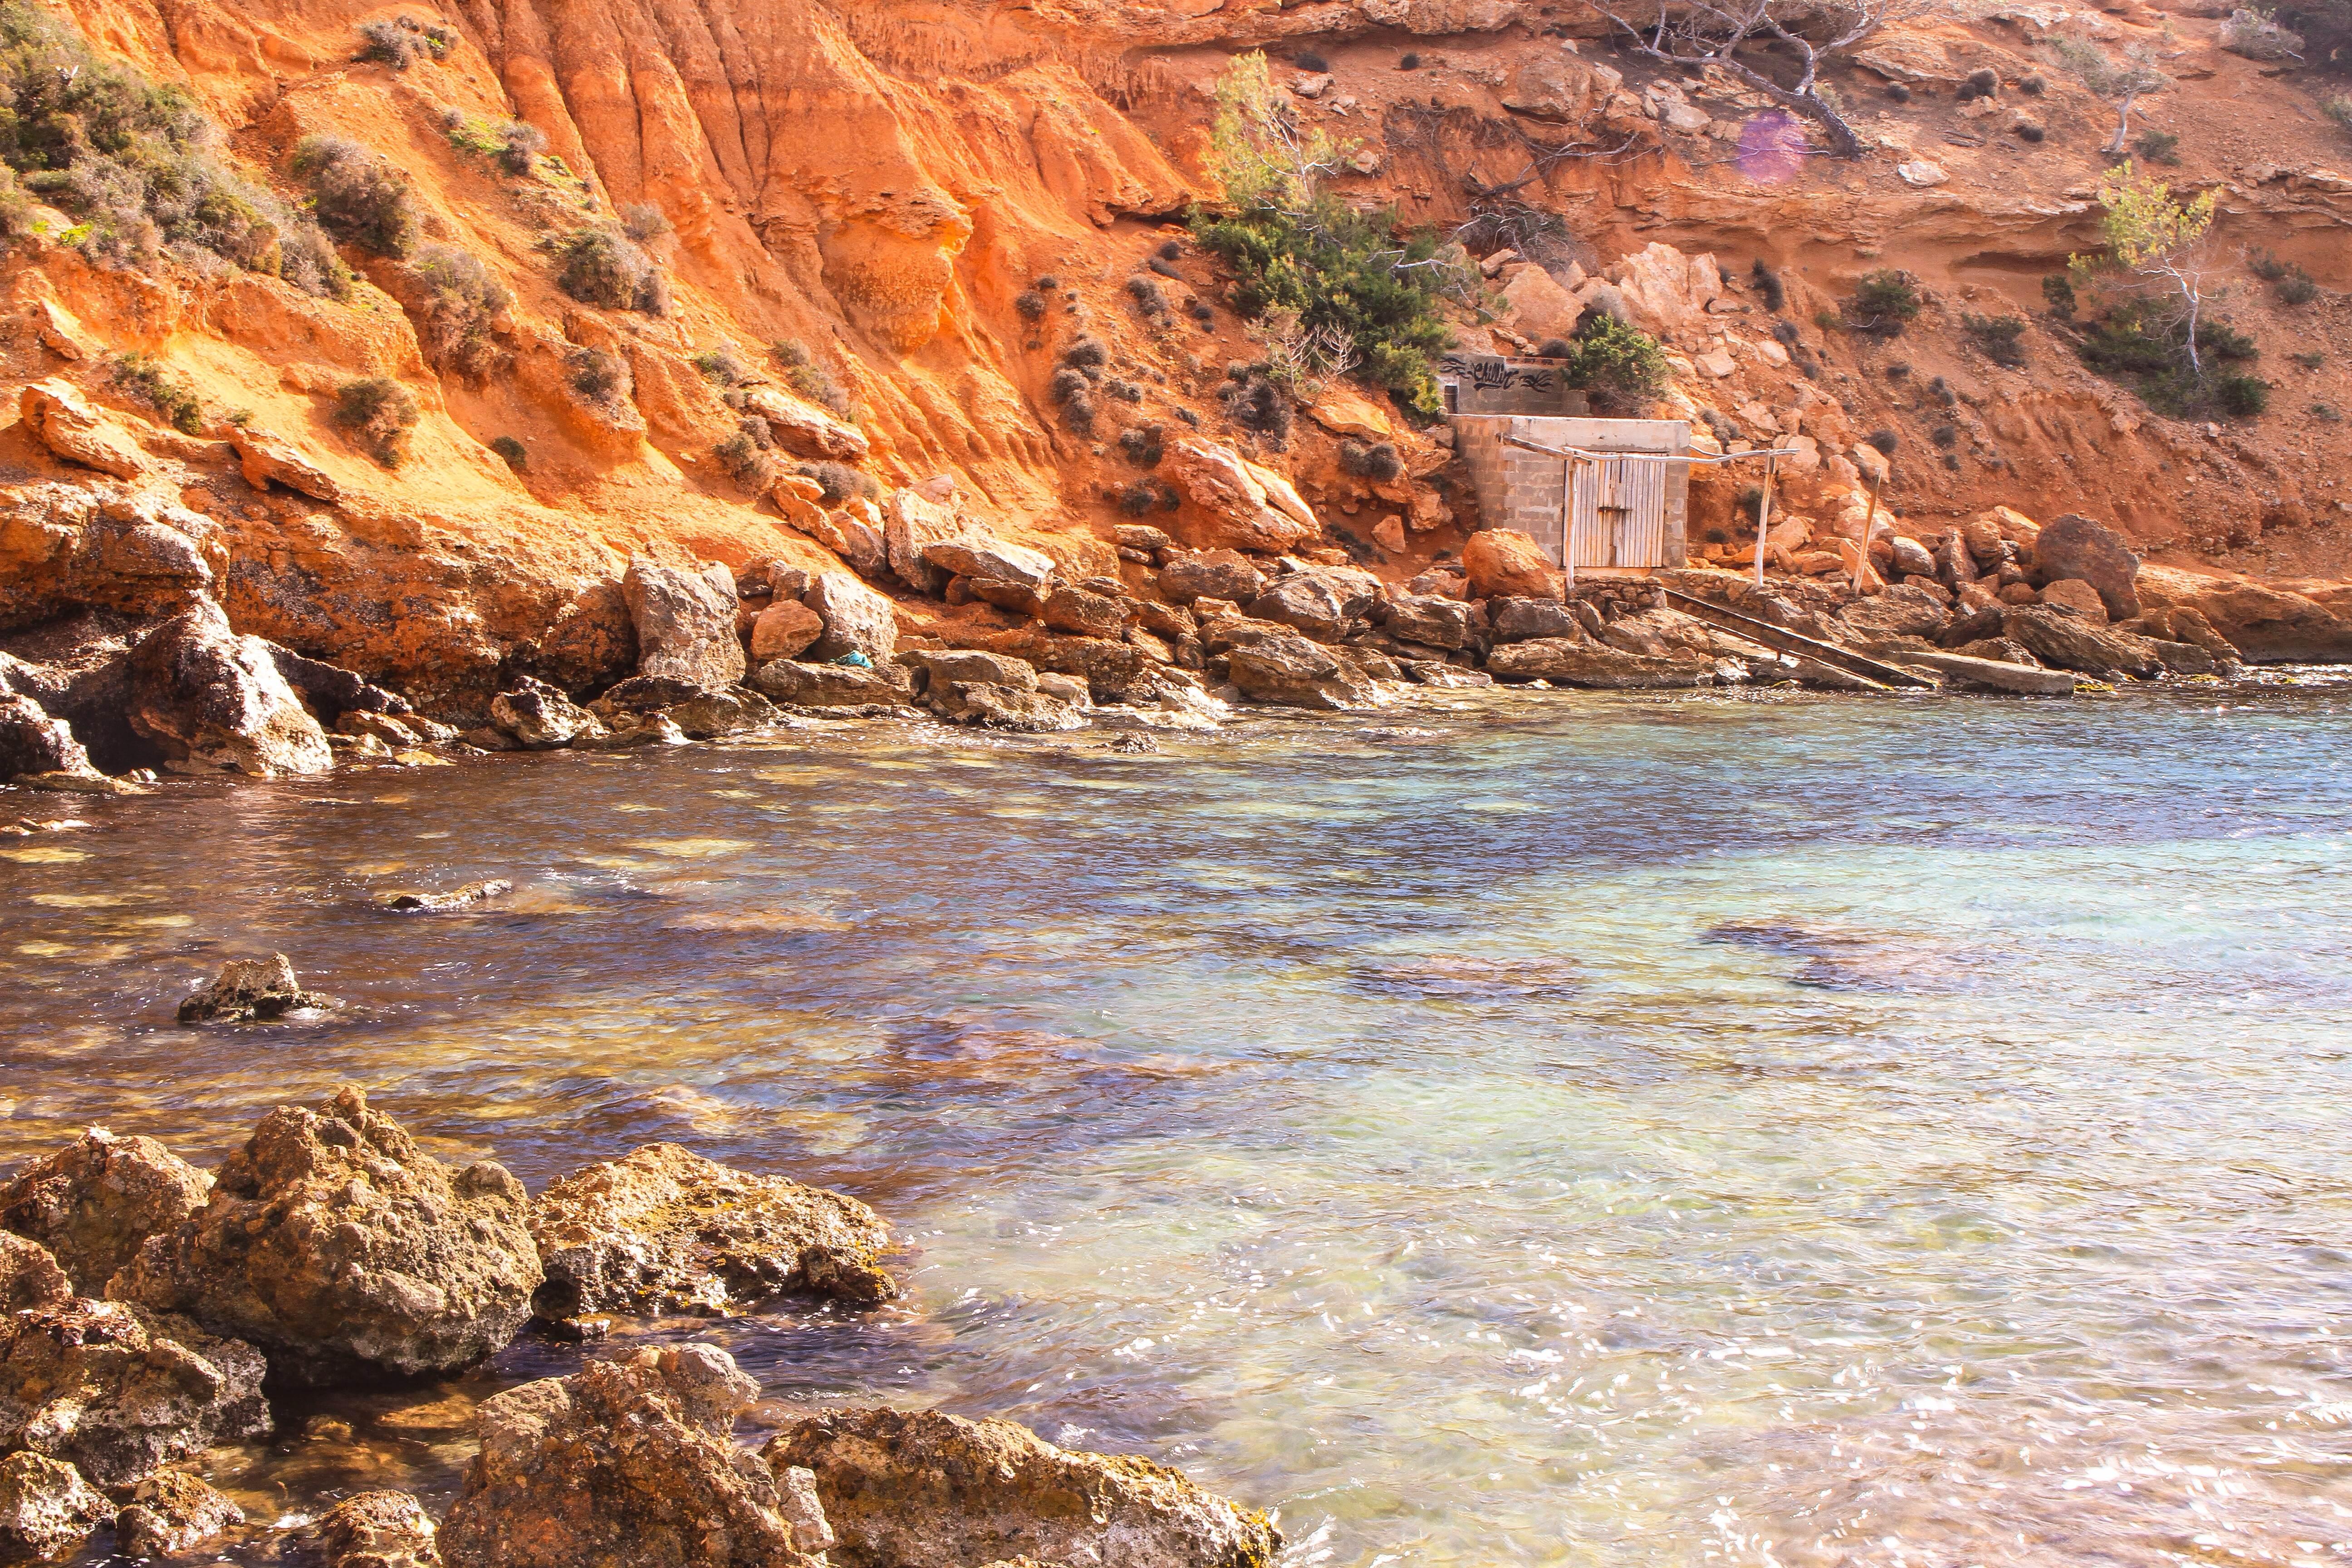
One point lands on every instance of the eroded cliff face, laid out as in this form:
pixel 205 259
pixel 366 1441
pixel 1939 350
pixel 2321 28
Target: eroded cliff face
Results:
pixel 884 183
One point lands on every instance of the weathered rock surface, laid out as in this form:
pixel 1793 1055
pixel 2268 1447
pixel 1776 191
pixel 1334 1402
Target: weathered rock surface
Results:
pixel 2266 624
pixel 464 898
pixel 33 742
pixel 912 523
pixel 1319 601
pixel 1524 620
pixel 170 1513
pixel 1007 708
pixel 29 1276
pixel 1212 575
pixel 2068 642
pixel 686 622
pixel 664 1230
pixel 923 1490
pixel 992 558
pixel 1291 672
pixel 1437 622
pixel 716 713
pixel 1231 503
pixel 249 990
pixel 1503 561
pixel 46 1509
pixel 57 412
pixel 212 701
pixel 266 459
pixel 1608 668
pixel 857 620
pixel 785 630
pixel 2074 594
pixel 376 1530
pixel 541 718
pixel 2074 548
pixel 1968 673
pixel 343 1251
pixel 1902 610
pixel 630 1462
pixel 118 1392
pixel 798 685
pixel 1082 613
pixel 93 1203
pixel 942 667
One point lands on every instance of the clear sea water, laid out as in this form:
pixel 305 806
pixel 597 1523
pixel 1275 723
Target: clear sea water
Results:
pixel 1515 1128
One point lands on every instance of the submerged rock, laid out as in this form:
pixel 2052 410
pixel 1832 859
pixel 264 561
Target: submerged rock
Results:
pixel 463 898
pixel 376 1530
pixel 664 1230
pixel 251 989
pixel 170 1513
pixel 923 1490
pixel 629 1461
pixel 29 1277
pixel 95 1201
pixel 118 1392
pixel 46 1509
pixel 1608 668
pixel 345 1252
pixel 541 718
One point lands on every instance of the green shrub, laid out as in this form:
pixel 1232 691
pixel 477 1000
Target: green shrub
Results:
pixel 842 482
pixel 1254 402
pixel 401 41
pixel 644 222
pixel 2157 147
pixel 1620 366
pixel 1827 320
pixel 2309 361
pixel 518 147
pixel 604 266
pixel 2257 36
pixel 1144 445
pixel 2058 292
pixel 749 456
pixel 1884 301
pixel 723 367
pixel 462 299
pixel 2297 288
pixel 146 379
pixel 2326 413
pixel 598 377
pixel 809 379
pixel 1996 337
pixel 2148 351
pixel 2265 266
pixel 517 457
pixel 1768 282
pixel 358 196
pixel 2242 396
pixel 378 412
pixel 2340 109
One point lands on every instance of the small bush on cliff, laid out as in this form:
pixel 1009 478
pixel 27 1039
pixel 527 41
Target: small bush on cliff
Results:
pixel 604 266
pixel 517 456
pixel 461 300
pixel 599 378
pixel 1768 284
pixel 378 412
pixel 402 40
pixel 841 482
pixel 723 367
pixel 1621 367
pixel 1030 304
pixel 2258 35
pixel 1144 445
pixel 519 145
pixel 1996 338
pixel 2340 109
pixel 1884 301
pixel 809 379
pixel 1379 461
pixel 359 197
pixel 1294 246
pixel 644 222
pixel 146 379
pixel 136 165
pixel 749 456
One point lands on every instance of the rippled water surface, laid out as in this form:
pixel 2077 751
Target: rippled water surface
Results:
pixel 1526 1129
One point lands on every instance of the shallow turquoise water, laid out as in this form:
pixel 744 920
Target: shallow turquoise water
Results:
pixel 1527 1128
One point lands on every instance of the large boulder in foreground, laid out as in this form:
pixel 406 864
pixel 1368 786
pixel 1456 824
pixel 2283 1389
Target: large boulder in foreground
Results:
pixel 1287 671
pixel 375 1530
pixel 118 1392
pixel 2068 642
pixel 29 1277
pixel 629 1461
pixel 685 624
pixel 1227 574
pixel 33 742
pixel 857 620
pixel 2074 548
pixel 922 1490
pixel 94 1202
pixel 346 1253
pixel 172 1514
pixel 1232 503
pixel 46 1509
pixel 211 701
pixel 2265 622
pixel 1608 669
pixel 1504 563
pixel 664 1230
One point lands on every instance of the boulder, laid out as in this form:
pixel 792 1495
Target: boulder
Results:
pixel 1559 85
pixel 628 1461
pixel 343 1251
pixel 1229 503
pixel 172 1514
pixel 1506 563
pixel 29 1276
pixel 1538 307
pixel 2074 594
pixel 251 990
pixel 1608 668
pixel 1902 611
pixel 664 1230
pixel 211 700
pixel 33 742
pixel 2066 642
pixel 943 667
pixel 266 459
pixel 2181 624
pixel 2266 624
pixel 912 525
pixel 541 718
pixel 805 430
pixel 855 540
pixel 1008 708
pixel 1188 575
pixel 46 1509
pixel 331 691
pixel 1110 669
pixel 985 557
pixel 1434 622
pixel 117 1392
pixel 95 1202
pixel 2074 547
pixel 1288 672
pixel 919 1489
pixel 798 685
pixel 1082 613
pixel 375 1530
pixel 686 622
pixel 857 620
pixel 1523 620
pixel 713 714
pixel 63 421
pixel 1911 557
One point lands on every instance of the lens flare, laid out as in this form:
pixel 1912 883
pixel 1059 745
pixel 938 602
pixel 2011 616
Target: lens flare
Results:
pixel 1771 148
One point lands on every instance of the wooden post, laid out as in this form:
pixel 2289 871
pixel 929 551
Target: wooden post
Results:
pixel 1869 527
pixel 1568 524
pixel 1764 516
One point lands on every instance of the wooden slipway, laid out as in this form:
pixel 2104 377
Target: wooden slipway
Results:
pixel 1783 640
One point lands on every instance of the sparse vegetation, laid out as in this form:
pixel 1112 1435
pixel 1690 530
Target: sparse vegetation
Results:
pixel 2257 33
pixel 723 367
pixel 1078 413
pixel 600 379
pixel 841 482
pixel 2156 147
pixel 1172 250
pixel 644 222
pixel 1981 83
pixel 2155 333
pixel 809 379
pixel 1884 302
pixel 1308 60
pixel 1621 367
pixel 401 41
pixel 2340 109
pixel 1294 246
pixel 2297 288
pixel 2309 361
pixel 2032 86
pixel 1144 445
pixel 604 266
pixel 1257 403
pixel 1997 338
pixel 135 165
pixel 512 450
pixel 2326 413
pixel 519 145
pixel 2028 131
pixel 1085 353
pixel 1897 92
pixel 1122 389
pixel 2058 292
pixel 2123 82
pixel 1379 462
pixel 1149 298
pixel 378 412
pixel 1068 382
pixel 461 301
pixel 357 197
pixel 1945 436
pixel 1030 304
pixel 145 377
pixel 1409 62
pixel 1786 333
pixel 1885 440
pixel 749 456
pixel 1767 283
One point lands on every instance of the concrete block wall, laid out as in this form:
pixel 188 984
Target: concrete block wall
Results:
pixel 1523 491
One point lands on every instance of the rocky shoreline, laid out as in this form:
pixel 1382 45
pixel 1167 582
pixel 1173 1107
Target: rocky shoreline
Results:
pixel 136 669
pixel 156 1310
